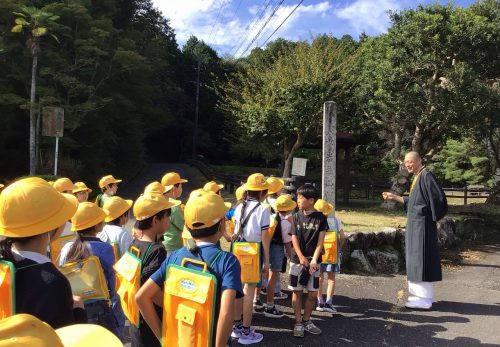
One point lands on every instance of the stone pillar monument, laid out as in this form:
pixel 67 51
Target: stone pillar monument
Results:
pixel 329 152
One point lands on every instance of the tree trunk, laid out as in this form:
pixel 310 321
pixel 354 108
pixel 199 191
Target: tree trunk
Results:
pixel 32 144
pixel 493 155
pixel 290 145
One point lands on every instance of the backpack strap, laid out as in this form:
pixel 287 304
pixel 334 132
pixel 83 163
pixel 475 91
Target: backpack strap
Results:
pixel 247 218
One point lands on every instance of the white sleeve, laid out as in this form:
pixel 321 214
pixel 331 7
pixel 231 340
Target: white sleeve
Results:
pixel 125 241
pixel 265 218
pixel 64 253
pixel 339 224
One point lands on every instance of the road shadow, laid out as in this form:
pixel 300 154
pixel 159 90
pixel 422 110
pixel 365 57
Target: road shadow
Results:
pixel 371 322
pixel 466 308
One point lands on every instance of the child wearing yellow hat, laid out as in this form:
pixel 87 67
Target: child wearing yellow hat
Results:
pixel 114 231
pixel 204 214
pixel 109 187
pixel 327 306
pixel 172 237
pixel 88 221
pixel 282 223
pixel 81 191
pixel 64 185
pixel 31 214
pixel 151 211
pixel 214 187
pixel 252 225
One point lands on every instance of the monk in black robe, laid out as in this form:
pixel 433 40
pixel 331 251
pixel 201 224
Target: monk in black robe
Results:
pixel 425 206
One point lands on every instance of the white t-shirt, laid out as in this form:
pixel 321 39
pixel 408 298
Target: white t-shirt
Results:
pixel 334 222
pixel 257 222
pixel 117 234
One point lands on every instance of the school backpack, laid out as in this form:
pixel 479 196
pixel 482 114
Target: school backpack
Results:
pixel 189 304
pixel 330 246
pixel 128 281
pixel 8 288
pixel 86 278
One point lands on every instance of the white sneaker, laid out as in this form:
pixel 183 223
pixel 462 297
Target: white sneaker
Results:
pixel 236 333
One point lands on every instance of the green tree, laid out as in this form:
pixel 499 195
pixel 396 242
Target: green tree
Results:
pixel 34 23
pixel 463 162
pixel 280 100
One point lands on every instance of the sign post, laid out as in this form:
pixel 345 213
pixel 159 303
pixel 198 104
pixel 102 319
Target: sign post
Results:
pixel 329 152
pixel 53 125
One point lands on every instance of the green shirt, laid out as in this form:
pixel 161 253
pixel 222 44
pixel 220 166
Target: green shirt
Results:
pixel 172 238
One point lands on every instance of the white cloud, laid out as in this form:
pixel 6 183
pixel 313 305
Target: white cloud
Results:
pixel 198 17
pixel 369 15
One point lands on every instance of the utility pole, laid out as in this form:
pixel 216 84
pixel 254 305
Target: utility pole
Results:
pixel 329 152
pixel 197 110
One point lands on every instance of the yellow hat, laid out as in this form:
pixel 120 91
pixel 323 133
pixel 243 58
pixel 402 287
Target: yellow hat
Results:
pixel 87 216
pixel 1 186
pixel 256 182
pixel 284 203
pixel 81 187
pixel 116 207
pixel 323 206
pixel 213 186
pixel 26 330
pixel 64 184
pixel 275 185
pixel 204 209
pixel 147 205
pixel 156 188
pixel 31 207
pixel 240 191
pixel 172 178
pixel 106 180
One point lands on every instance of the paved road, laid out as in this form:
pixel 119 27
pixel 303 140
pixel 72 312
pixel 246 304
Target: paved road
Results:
pixel 467 312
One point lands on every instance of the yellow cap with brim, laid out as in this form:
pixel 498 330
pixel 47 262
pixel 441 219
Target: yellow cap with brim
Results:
pixel 87 215
pixel 256 182
pixel 1 186
pixel 64 184
pixel 275 185
pixel 107 180
pixel 32 207
pixel 213 186
pixel 115 207
pixel 81 187
pixel 204 209
pixel 147 205
pixel 156 188
pixel 284 203
pixel 29 331
pixel 171 179
pixel 323 206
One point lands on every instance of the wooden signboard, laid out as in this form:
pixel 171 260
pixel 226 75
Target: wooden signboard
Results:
pixel 53 121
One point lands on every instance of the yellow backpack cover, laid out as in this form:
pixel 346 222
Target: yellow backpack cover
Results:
pixel 128 281
pixel 248 254
pixel 7 289
pixel 330 245
pixel 57 245
pixel 189 304
pixel 86 278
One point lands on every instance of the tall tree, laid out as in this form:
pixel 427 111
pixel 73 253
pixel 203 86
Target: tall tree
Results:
pixel 34 23
pixel 280 100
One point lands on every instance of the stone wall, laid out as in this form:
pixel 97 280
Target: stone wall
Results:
pixel 382 252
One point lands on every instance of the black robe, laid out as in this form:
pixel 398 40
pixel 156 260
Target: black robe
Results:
pixel 425 206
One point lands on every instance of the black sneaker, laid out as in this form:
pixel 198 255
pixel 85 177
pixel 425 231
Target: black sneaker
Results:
pixel 320 307
pixel 257 303
pixel 329 308
pixel 272 312
pixel 263 291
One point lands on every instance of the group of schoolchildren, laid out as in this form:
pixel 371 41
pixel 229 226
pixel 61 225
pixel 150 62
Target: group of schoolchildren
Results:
pixel 35 213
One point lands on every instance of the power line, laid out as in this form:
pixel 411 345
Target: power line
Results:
pixel 223 4
pixel 279 26
pixel 262 28
pixel 251 25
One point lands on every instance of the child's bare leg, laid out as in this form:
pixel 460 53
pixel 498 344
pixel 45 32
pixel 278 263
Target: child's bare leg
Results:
pixel 320 289
pixel 297 305
pixel 249 291
pixel 331 286
pixel 310 305
pixel 273 277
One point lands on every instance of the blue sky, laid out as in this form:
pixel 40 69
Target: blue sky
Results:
pixel 229 26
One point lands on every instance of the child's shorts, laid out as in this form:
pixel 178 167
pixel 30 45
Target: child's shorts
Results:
pixel 312 284
pixel 276 255
pixel 329 267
